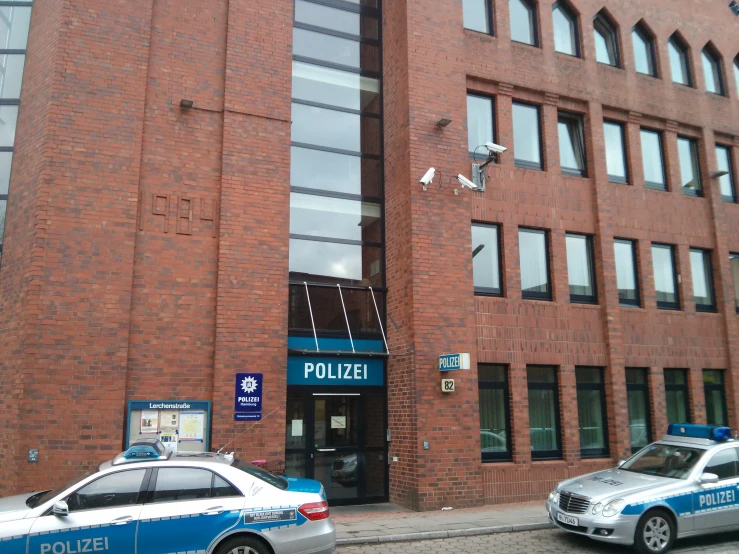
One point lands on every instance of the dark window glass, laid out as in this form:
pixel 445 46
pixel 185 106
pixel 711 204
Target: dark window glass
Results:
pixel 591 409
pixel 712 71
pixel 644 57
pixel 724 463
pixel 627 278
pixel 544 413
pixel 335 50
pixel 486 259
pixel 523 22
pixel 580 269
pixel 334 19
pixel 723 157
pixel 320 216
pixel 700 265
pixel 565 29
pixel 526 136
pixel 676 396
pixel 679 62
pixel 615 152
pixel 480 123
pixel 690 171
pixel 606 41
pixel 222 489
pixel 495 432
pixel 654 167
pixel 314 83
pixel 734 263
pixel 11 75
pixel 477 15
pixel 637 391
pixel 534 255
pixel 571 144
pixel 14 21
pixel 180 483
pixel 117 489
pixel 665 278
pixel 715 392
pixel 331 262
pixel 316 169
pixel 334 129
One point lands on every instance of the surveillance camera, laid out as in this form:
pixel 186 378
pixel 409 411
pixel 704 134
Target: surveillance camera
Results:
pixel 465 182
pixel 495 148
pixel 428 177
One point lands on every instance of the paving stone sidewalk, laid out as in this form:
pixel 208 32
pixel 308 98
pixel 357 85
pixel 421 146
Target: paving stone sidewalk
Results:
pixel 387 523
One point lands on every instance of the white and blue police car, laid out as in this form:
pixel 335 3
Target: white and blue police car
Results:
pixel 686 484
pixel 148 500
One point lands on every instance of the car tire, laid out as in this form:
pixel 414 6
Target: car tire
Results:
pixel 655 533
pixel 243 544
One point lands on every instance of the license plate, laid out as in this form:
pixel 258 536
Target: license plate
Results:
pixel 569 520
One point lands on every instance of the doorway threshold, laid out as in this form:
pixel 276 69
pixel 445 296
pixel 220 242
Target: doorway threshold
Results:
pixel 367 509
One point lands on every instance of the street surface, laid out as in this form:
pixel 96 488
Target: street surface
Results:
pixel 533 542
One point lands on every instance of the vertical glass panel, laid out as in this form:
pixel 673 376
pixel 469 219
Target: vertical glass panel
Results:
pixel 664 275
pixel 335 19
pixel 626 279
pixel 336 88
pixel 295 464
pixel 526 144
pixel 540 374
pixel 590 411
pixel 710 71
pixel 690 177
pixel 636 377
pixel 606 44
pixel 588 376
pixel 335 172
pixel 542 420
pixel 713 377
pixel 642 53
pixel 534 264
pixel 492 373
pixel 486 258
pixel 522 22
pixel 5 159
pixel 736 74
pixel 321 216
pixel 715 397
pixel 651 148
pixel 296 427
pixel 8 117
pixel 14 21
pixel 677 406
pixel 571 147
pixel 333 129
pixel 565 31
pixel 476 16
pixel 700 264
pixel 493 425
pixel 638 414
pixel 580 267
pixel 11 75
pixel 336 50
pixel 734 261
pixel 678 63
pixel 359 306
pixel 479 123
pixel 322 262
pixel 3 209
pixel 674 377
pixel 723 157
pixel 615 154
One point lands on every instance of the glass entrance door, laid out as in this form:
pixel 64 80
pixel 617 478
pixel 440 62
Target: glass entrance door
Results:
pixel 336 457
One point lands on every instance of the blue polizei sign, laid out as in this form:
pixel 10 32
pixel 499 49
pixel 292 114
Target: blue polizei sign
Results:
pixel 248 397
pixel 451 362
pixel 314 370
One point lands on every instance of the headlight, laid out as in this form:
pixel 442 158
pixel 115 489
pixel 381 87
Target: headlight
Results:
pixel 554 497
pixel 597 508
pixel 614 507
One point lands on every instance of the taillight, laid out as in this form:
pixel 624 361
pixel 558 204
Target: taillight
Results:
pixel 315 511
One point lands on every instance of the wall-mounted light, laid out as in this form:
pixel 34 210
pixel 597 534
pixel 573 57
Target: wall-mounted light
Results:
pixel 186 103
pixel 443 122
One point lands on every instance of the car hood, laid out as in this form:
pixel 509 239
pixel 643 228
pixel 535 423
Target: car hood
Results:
pixel 14 507
pixel 613 483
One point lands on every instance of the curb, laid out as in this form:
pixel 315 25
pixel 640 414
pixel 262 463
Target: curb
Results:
pixel 429 535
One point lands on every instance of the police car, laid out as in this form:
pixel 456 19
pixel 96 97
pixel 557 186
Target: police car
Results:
pixel 148 500
pixel 685 485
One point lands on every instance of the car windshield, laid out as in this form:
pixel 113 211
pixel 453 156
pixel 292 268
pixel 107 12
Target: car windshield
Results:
pixel 41 497
pixel 664 460
pixel 264 475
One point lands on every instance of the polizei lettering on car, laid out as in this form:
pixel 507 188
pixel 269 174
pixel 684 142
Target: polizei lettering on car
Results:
pixel 718 498
pixel 97 544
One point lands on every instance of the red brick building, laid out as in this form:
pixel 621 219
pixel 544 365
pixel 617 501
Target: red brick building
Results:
pixel 201 188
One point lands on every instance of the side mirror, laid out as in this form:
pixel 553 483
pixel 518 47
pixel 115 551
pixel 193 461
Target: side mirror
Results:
pixel 621 462
pixel 61 509
pixel 708 479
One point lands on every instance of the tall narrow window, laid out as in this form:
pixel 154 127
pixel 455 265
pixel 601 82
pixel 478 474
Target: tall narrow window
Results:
pixel 723 158
pixel 679 64
pixel 644 51
pixel 736 73
pixel 526 136
pixel 571 144
pixel 615 152
pixel 665 278
pixel 734 263
pixel 477 16
pixel 565 29
pixel 480 122
pixel 486 259
pixel 700 265
pixel 653 160
pixel 606 41
pixel 627 279
pixel 676 396
pixel 544 413
pixel 690 170
pixel 637 392
pixel 523 22
pixel 712 71
pixel 495 417
pixel 534 254
pixel 591 409
pixel 580 270
pixel 715 393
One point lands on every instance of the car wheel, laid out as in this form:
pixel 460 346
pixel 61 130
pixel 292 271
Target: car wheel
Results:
pixel 654 533
pixel 243 545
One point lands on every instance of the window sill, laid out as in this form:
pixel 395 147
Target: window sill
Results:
pixel 574 173
pixel 554 460
pixel 532 45
pixel 728 199
pixel 487 34
pixel 719 94
pixel 637 306
pixel 656 186
pixel 583 301
pixel 601 64
pixel 594 456
pixel 537 299
pixel 668 308
pixel 693 194
pixel 706 309
pixel 488 293
pixel 568 56
pixel 617 180
pixel 522 164
pixel 508 460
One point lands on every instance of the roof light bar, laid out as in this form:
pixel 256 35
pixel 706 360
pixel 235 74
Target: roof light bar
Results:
pixel 710 432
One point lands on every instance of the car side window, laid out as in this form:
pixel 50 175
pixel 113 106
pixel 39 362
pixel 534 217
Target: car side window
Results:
pixel 222 488
pixel 725 464
pixel 110 491
pixel 179 483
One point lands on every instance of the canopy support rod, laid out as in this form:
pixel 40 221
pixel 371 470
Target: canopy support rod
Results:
pixel 313 323
pixel 346 317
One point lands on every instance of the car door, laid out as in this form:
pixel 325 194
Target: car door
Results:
pixel 716 506
pixel 103 515
pixel 186 509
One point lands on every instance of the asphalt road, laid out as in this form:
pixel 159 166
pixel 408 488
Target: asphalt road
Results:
pixel 537 542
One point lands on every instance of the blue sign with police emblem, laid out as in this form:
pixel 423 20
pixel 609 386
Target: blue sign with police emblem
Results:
pixel 248 396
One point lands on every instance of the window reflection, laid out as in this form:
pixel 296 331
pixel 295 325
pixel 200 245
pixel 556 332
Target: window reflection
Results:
pixel 643 51
pixel 571 144
pixel 679 61
pixel 342 51
pixel 523 22
pixel 321 216
pixel 534 264
pixel 336 88
pixel 328 262
pixel 332 129
pixel 626 276
pixel 580 268
pixel 486 259
pixel 734 261
pixel 665 283
pixel 476 16
pixel 606 41
pixel 565 29
pixel 723 157
pixel 700 265
pixel 11 75
pixel 654 171
pixel 329 171
pixel 360 310
pixel 712 71
pixel 526 141
pixel 14 21
pixel 615 152
pixel 337 20
pixel 690 176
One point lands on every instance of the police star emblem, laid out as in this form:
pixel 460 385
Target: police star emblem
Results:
pixel 249 385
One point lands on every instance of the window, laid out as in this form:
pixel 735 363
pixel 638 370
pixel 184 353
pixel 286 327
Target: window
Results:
pixel 580 269
pixel 676 396
pixel 571 144
pixel 665 277
pixel 712 71
pixel 495 432
pixel 110 491
pixel 637 393
pixel 734 262
pixel 591 409
pixel 723 157
pixel 486 259
pixel 615 152
pixel 606 41
pixel 523 22
pixel 679 63
pixel 652 158
pixel 690 171
pixel 665 460
pixel 534 253
pixel 565 30
pixel 724 463
pixel 478 16
pixel 543 413
pixel 703 294
pixel 644 51
pixel 526 136
pixel 179 483
pixel 480 122
pixel 736 74
pixel 222 488
pixel 715 391
pixel 627 278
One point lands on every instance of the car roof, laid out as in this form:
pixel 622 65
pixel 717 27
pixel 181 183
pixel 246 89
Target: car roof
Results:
pixel 203 459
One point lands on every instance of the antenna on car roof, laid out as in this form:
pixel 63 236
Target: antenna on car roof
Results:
pixel 245 430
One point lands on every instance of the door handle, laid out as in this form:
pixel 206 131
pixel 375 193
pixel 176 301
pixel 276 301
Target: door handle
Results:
pixel 326 450
pixel 122 520
pixel 213 511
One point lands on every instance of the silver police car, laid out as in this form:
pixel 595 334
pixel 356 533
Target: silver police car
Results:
pixel 685 485
pixel 149 500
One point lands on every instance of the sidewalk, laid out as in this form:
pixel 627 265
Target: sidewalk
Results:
pixel 389 523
